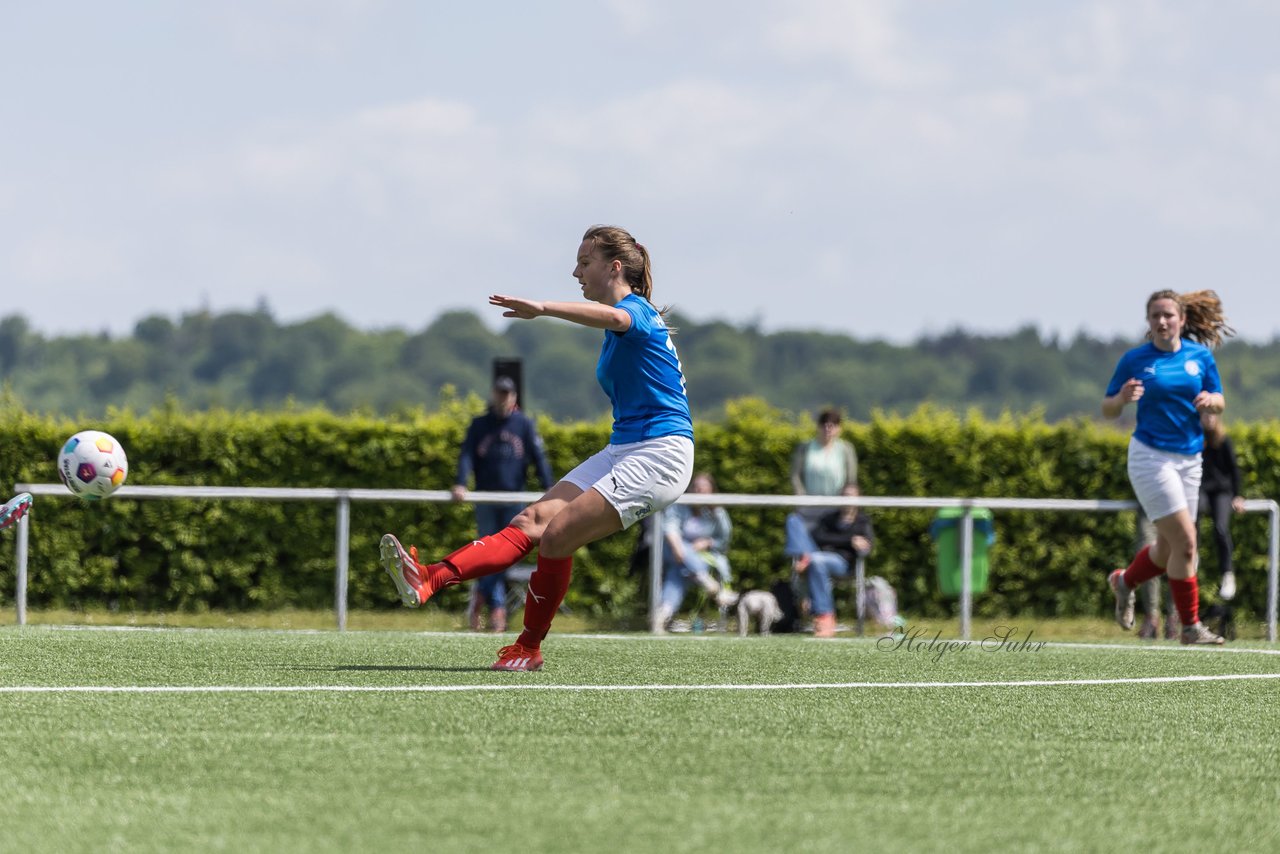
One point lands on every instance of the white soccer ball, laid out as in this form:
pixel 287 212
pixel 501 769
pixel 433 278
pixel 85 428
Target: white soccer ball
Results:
pixel 92 464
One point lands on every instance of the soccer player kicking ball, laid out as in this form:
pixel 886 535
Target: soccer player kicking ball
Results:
pixel 645 467
pixel 14 509
pixel 1173 378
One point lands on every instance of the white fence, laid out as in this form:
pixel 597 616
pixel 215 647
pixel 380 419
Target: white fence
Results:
pixel 344 497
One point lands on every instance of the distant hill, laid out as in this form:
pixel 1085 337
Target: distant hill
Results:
pixel 250 360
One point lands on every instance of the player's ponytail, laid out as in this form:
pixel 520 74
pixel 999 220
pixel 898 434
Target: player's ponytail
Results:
pixel 645 286
pixel 617 244
pixel 1203 319
pixel 1206 322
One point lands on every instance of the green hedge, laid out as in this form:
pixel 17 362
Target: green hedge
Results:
pixel 192 555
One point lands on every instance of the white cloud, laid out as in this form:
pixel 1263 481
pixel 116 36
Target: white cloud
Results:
pixel 429 158
pixel 864 35
pixel 274 28
pixel 60 258
pixel 790 146
pixel 635 17
pixel 684 137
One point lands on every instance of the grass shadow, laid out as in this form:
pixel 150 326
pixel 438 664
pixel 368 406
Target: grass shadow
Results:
pixel 387 668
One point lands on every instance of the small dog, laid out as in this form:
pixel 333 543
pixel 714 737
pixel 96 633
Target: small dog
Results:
pixel 761 603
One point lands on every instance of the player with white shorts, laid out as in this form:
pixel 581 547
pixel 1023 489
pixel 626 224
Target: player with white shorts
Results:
pixel 1173 379
pixel 646 466
pixel 638 477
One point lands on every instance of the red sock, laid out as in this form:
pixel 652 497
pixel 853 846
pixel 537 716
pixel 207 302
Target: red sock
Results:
pixel 1142 569
pixel 1186 596
pixel 547 587
pixel 487 555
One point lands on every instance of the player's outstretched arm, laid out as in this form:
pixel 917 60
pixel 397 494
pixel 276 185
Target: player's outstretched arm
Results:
pixel 585 313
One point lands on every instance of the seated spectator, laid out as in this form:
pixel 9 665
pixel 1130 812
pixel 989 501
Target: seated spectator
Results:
pixel 695 542
pixel 838 539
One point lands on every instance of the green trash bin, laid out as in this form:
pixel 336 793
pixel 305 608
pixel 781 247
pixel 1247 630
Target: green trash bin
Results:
pixel 945 531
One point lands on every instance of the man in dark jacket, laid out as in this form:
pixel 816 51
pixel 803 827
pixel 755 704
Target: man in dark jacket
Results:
pixel 499 449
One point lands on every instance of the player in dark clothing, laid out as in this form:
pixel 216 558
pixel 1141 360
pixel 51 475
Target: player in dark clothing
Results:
pixel 500 448
pixel 1220 495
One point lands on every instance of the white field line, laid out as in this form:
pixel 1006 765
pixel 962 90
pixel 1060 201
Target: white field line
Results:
pixel 1165 648
pixel 453 689
pixel 680 637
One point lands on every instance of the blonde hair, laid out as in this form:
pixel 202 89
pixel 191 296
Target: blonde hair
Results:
pixel 1203 318
pixel 617 244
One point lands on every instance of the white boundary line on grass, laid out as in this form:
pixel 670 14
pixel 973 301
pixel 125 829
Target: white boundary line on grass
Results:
pixel 713 636
pixel 454 689
pixel 1165 647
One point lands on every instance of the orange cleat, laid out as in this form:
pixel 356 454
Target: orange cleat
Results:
pixel 14 509
pixel 517 657
pixel 416 583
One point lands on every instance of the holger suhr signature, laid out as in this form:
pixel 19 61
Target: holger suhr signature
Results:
pixel 1005 639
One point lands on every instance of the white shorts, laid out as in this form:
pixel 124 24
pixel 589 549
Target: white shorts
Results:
pixel 639 477
pixel 1163 481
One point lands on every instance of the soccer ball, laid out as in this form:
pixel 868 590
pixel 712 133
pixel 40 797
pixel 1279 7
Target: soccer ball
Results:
pixel 92 464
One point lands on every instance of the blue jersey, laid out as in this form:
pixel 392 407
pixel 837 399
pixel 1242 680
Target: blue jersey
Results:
pixel 1167 418
pixel 641 373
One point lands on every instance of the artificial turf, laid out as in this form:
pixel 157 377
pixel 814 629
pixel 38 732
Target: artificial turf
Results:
pixel 633 763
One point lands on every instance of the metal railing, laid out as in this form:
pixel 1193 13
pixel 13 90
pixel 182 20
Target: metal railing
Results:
pixel 966 506
pixel 342 536
pixel 344 497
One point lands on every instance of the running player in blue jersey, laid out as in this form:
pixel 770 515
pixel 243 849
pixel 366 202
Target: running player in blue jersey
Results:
pixel 646 465
pixel 1173 378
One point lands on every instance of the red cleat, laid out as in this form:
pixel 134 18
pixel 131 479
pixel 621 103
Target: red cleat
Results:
pixel 517 657
pixel 416 583
pixel 14 509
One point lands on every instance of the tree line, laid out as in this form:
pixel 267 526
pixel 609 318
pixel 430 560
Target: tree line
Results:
pixel 250 360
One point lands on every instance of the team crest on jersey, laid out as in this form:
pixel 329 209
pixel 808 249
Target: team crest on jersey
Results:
pixel 1193 368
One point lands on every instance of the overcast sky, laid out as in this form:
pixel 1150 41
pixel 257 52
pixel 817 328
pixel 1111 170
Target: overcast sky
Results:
pixel 878 168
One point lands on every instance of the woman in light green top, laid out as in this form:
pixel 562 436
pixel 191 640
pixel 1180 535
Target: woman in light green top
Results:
pixel 824 465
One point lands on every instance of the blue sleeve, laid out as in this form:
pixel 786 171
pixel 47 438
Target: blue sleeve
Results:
pixel 1122 375
pixel 1212 382
pixel 641 325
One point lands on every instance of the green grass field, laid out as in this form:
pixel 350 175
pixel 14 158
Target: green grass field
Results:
pixel 396 741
